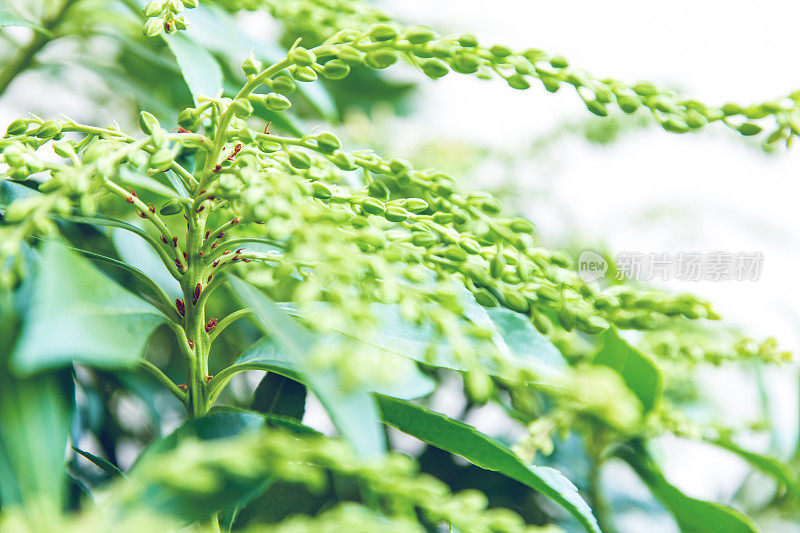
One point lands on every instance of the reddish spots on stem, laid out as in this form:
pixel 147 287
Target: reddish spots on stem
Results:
pixel 151 207
pixel 214 245
pixel 215 263
pixel 220 235
pixel 175 242
pixel 217 169
pixel 236 220
pixel 236 150
pixel 178 263
pixel 201 253
pixel 266 128
pixel 129 199
pixel 184 387
pixel 190 343
pixel 210 277
pixel 226 252
pixel 133 193
pixel 210 325
pixel 164 240
pixel 239 250
pixel 167 27
pixel 179 306
pixel 197 290
pixel 181 130
pixel 209 378
pixel 201 208
pixel 141 214
pixel 208 233
pixel 186 256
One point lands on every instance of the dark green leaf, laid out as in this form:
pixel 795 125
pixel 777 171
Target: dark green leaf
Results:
pixel 460 439
pixel 352 410
pixel 692 515
pixel 280 396
pixel 78 314
pixel 639 372
pixel 110 469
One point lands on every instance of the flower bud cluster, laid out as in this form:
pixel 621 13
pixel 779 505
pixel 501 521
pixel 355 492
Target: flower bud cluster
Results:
pixel 165 16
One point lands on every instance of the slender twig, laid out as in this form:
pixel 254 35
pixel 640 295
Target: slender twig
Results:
pixel 160 376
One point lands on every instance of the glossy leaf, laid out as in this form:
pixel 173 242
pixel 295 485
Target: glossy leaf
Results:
pixel 78 314
pixel 352 410
pixel 198 67
pixel 483 451
pixel 34 423
pixel 782 472
pixel 281 396
pixel 110 469
pixel 640 373
pixel 692 515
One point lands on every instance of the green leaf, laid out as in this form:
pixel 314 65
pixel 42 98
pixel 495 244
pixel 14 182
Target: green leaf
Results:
pixel 191 505
pixel 137 253
pixel 34 424
pixel 640 373
pixel 394 334
pixel 199 68
pixel 483 451
pixel 106 466
pixel 782 472
pixel 9 18
pixel 692 515
pixel 352 410
pixel 281 396
pixel 78 314
pixel 409 382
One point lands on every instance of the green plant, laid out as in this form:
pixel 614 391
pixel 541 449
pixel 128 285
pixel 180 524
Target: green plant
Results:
pixel 368 281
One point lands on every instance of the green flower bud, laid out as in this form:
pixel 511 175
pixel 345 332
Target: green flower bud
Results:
pixel 161 159
pixel 378 190
pixel 497 266
pixel 455 253
pixel 189 3
pixel 302 57
pixel 516 301
pixel 443 217
pixel 186 118
pixel 48 129
pixel 598 108
pixel 321 190
pixel 373 206
pixel 277 102
pixel 379 59
pixel 479 386
pixel 299 159
pixel 559 62
pixel 499 50
pixel 327 142
pixel 593 324
pixel 465 63
pixel 351 55
pixel 283 84
pixel 471 246
pixel 396 214
pixel 251 65
pixel 153 27
pixel 732 109
pixel 675 125
pixel 343 160
pixel 17 127
pixel 551 83
pixel 242 108
pixel 180 24
pixel 695 119
pixel 434 68
pixel 748 129
pixel 64 149
pixel 521 225
pixel 335 69
pixel 49 186
pixel 541 323
pixel 305 74
pixel 147 122
pixel 171 207
pixel 467 40
pixel 153 8
pixel 628 103
pixel 418 35
pixel 426 240
pixel 485 298
pixel 415 205
pixel 382 32
pixel 516 81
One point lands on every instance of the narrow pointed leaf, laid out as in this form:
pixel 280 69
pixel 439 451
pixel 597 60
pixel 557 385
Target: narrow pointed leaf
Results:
pixel 483 451
pixel 640 373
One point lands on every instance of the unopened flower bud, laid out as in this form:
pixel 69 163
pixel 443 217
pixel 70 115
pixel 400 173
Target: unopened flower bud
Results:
pixel 299 159
pixel 335 69
pixel 17 127
pixel 434 68
pixel 283 84
pixel 304 74
pixel 381 58
pixel 382 32
pixel 48 129
pixel 251 65
pixel 147 122
pixel 418 35
pixel 277 102
pixel 327 142
pixel 302 57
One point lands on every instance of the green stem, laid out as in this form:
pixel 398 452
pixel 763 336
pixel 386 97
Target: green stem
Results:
pixel 160 376
pixel 23 59
pixel 597 499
